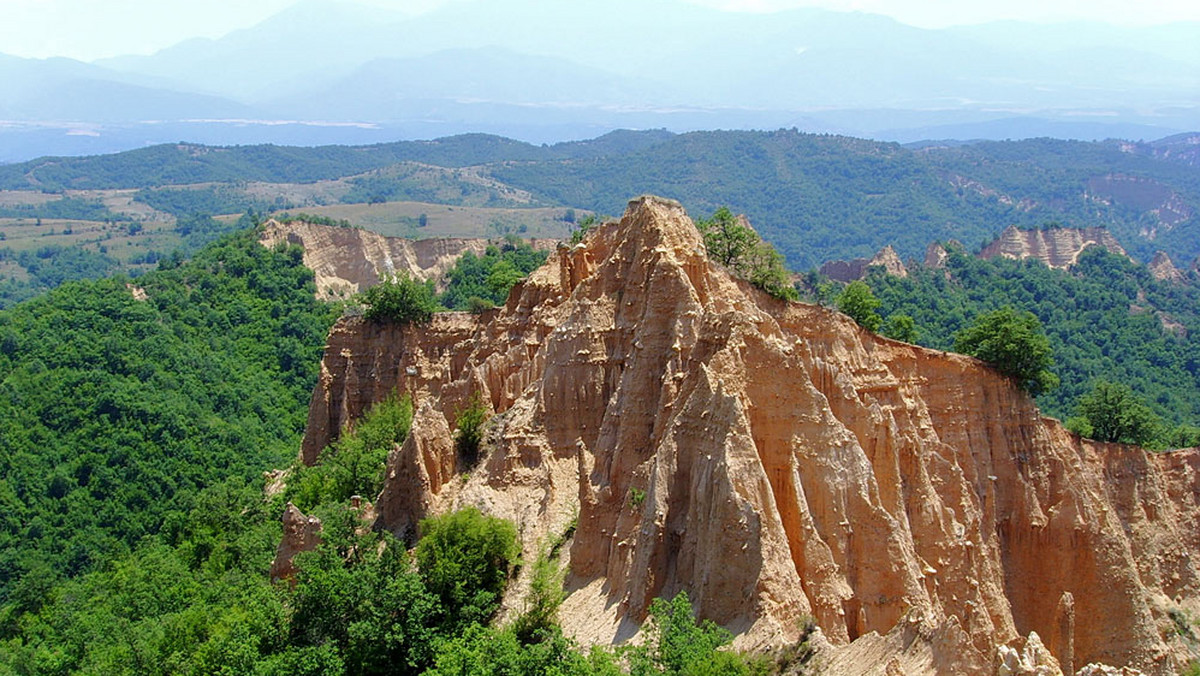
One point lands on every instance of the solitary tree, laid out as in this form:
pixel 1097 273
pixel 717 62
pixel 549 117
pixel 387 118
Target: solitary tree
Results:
pixel 728 241
pixel 857 301
pixel 1114 413
pixel 1013 342
pixel 735 245
pixel 901 327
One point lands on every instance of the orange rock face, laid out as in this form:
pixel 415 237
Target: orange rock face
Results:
pixel 776 461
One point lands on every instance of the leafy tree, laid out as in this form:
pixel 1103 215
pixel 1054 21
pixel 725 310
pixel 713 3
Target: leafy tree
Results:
pixel 1113 413
pixel 489 277
pixel 464 559
pixel 901 327
pixel 400 299
pixel 857 301
pixel 1014 343
pixel 355 463
pixel 728 241
pixel 738 247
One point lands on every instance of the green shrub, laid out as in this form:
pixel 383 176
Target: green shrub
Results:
pixel 400 299
pixel 1014 343
pixel 857 301
pixel 469 430
pixel 464 559
pixel 355 463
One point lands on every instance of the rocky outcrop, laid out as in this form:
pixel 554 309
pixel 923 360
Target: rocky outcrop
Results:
pixel 300 534
pixel 776 461
pixel 935 256
pixel 347 260
pixel 1056 247
pixel 849 271
pixel 1162 269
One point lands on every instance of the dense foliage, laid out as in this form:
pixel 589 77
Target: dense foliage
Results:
pixel 1111 412
pixel 400 299
pixel 1106 319
pixel 354 464
pixel 815 197
pixel 857 301
pixel 477 282
pixel 74 208
pixel 1014 342
pixel 115 413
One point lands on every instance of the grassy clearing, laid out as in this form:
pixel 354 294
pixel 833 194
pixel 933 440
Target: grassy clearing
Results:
pixel 401 219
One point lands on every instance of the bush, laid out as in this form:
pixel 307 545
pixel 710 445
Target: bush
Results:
pixel 464 559
pixel 1013 343
pixel 676 644
pixel 469 429
pixel 355 463
pixel 738 247
pixel 400 299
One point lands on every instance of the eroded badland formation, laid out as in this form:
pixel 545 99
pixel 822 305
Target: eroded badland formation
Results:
pixel 776 461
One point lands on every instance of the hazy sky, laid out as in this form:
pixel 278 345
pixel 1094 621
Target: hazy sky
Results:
pixel 90 29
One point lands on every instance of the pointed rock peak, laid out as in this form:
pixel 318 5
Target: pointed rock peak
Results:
pixel 935 256
pixel 890 261
pixel 1164 270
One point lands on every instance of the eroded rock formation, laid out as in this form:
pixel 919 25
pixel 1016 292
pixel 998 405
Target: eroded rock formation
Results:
pixel 300 534
pixel 849 271
pixel 1162 269
pixel 776 461
pixel 1056 247
pixel 347 260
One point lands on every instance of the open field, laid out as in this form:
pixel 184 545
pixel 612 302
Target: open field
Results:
pixel 400 219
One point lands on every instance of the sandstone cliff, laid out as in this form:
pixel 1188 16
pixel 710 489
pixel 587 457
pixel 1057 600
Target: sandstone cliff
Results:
pixel 849 271
pixel 776 461
pixel 348 260
pixel 1056 247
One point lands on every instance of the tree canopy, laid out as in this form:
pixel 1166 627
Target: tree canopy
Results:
pixel 1014 343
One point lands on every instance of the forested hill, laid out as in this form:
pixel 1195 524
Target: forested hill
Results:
pixel 816 198
pixel 120 404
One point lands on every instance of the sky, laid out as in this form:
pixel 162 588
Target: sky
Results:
pixel 92 29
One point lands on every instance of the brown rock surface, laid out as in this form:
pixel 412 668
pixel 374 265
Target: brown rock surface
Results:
pixel 1164 270
pixel 849 271
pixel 300 534
pixel 348 260
pixel 776 461
pixel 1056 247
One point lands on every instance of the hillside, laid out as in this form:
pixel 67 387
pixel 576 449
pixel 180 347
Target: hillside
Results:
pixel 817 198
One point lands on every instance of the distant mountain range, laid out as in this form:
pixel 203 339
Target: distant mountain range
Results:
pixel 335 72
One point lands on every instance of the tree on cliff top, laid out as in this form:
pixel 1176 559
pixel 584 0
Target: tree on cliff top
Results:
pixel 857 301
pixel 734 244
pixel 1113 413
pixel 1013 342
pixel 400 299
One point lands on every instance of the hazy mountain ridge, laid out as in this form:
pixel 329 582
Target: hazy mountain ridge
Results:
pixel 574 70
